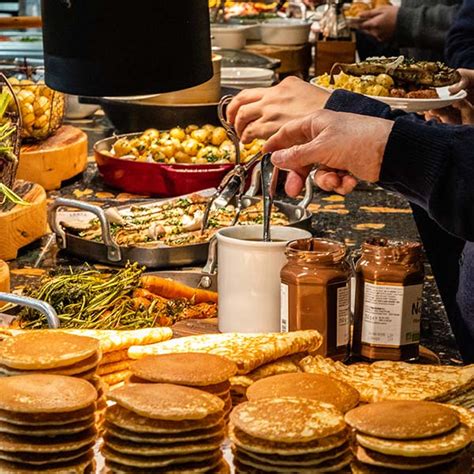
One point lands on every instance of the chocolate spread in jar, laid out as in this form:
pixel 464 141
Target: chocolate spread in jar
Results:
pixel 315 293
pixel 389 285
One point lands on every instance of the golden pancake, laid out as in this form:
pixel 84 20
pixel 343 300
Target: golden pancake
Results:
pixel 81 367
pixel 41 459
pixel 152 449
pixel 47 419
pixel 38 350
pixel 321 388
pixel 129 420
pixel 466 416
pixel 247 350
pixel 156 461
pixel 247 464
pixel 462 465
pixel 115 356
pixel 255 445
pixel 112 368
pixel 167 402
pixel 211 465
pixel 303 460
pixel 288 419
pixel 217 389
pixel 76 466
pixel 31 444
pixel 164 438
pixel 450 442
pixel 401 462
pixel 115 378
pixel 191 368
pixel 403 419
pixel 47 430
pixel 39 393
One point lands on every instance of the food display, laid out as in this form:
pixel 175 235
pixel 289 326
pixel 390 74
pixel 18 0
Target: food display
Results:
pixel 391 77
pixel 356 8
pixel 95 300
pixel 153 426
pixel 193 144
pixel 42 109
pixel 174 223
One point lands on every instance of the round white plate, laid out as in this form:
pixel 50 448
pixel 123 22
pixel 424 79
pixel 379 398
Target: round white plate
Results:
pixel 246 74
pixel 414 105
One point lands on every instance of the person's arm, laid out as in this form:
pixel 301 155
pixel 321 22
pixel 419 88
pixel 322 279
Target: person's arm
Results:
pixel 460 39
pixel 424 26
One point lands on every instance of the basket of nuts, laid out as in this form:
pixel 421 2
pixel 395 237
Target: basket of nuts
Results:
pixel 41 108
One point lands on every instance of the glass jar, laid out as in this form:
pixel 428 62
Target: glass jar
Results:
pixel 315 293
pixel 389 286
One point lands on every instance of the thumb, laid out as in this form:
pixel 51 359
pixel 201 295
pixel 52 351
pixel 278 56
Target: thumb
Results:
pixel 466 82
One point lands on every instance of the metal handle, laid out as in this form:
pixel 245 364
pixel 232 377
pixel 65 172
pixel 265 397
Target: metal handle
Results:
pixel 255 181
pixel 41 306
pixel 211 265
pixel 309 191
pixel 113 250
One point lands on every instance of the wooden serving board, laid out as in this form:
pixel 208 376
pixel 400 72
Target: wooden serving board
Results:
pixel 23 224
pixel 56 159
pixel 4 279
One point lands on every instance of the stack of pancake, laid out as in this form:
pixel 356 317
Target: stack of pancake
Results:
pixel 402 436
pixel 46 424
pixel 289 434
pixel 202 371
pixel 163 428
pixel 387 380
pixel 321 388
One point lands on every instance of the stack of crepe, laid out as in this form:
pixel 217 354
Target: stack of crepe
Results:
pixel 388 380
pixel 256 355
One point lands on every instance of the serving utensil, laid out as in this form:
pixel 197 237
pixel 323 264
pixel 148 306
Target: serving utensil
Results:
pixel 269 184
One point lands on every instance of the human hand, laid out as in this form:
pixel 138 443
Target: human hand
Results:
pixel 380 22
pixel 466 83
pixel 348 146
pixel 259 113
pixel 459 113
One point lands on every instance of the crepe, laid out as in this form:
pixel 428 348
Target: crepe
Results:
pixel 400 381
pixel 248 351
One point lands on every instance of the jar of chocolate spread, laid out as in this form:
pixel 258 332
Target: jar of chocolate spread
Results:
pixel 389 285
pixel 315 293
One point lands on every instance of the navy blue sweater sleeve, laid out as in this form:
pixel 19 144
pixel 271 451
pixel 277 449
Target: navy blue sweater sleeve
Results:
pixel 431 164
pixel 460 40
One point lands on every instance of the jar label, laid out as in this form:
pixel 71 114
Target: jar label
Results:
pixel 391 314
pixel 284 308
pixel 343 315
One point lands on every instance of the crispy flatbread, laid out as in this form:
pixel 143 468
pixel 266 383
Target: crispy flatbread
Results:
pixel 248 351
pixel 397 380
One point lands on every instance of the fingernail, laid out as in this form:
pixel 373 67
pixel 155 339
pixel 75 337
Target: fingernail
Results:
pixel 278 157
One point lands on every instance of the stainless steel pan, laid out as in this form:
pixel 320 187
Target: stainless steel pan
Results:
pixel 107 251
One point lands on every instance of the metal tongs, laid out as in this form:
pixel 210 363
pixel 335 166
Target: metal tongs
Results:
pixel 233 184
pixel 269 184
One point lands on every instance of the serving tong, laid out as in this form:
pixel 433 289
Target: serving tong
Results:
pixel 233 184
pixel 269 184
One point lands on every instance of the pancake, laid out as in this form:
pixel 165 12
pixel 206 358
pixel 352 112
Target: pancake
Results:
pixel 47 430
pixel 288 419
pixel 191 368
pixel 246 464
pixel 156 461
pixel 403 419
pixel 76 466
pixel 462 465
pixel 39 350
pixel 115 356
pixel 39 393
pixel 42 459
pixel 302 460
pixel 48 419
pixel 115 378
pixel 401 462
pixel 321 388
pixel 164 438
pixel 129 420
pixel 167 402
pixel 182 468
pixel 85 365
pixel 31 444
pixel 113 367
pixel 255 445
pixel 247 350
pixel 151 449
pixel 451 442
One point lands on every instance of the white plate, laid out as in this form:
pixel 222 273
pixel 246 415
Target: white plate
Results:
pixel 414 105
pixel 235 74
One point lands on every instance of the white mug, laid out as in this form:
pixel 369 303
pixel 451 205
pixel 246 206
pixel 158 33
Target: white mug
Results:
pixel 248 277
